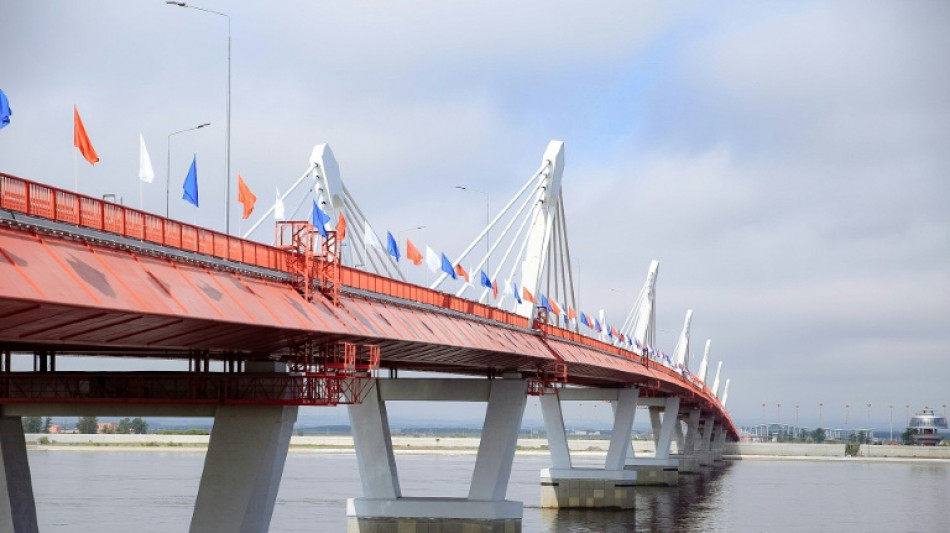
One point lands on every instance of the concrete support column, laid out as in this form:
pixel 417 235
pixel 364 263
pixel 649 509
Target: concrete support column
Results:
pixel 655 425
pixel 17 508
pixel 496 449
pixel 680 437
pixel 554 426
pixel 692 432
pixel 705 446
pixel 243 467
pixel 374 447
pixel 688 458
pixel 625 409
pixel 669 424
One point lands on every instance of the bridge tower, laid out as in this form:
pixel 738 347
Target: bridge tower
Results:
pixel 681 351
pixel 704 366
pixel 641 321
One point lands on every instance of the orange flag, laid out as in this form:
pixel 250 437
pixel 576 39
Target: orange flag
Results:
pixel 461 271
pixel 571 313
pixel 526 294
pixel 554 306
pixel 412 253
pixel 246 197
pixel 494 290
pixel 81 140
pixel 341 228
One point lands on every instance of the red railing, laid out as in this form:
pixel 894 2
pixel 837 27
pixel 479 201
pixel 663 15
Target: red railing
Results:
pixel 23 196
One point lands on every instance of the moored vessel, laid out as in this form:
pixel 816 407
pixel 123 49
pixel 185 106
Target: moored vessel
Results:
pixel 925 428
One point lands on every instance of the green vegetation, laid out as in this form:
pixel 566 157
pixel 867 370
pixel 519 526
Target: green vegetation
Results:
pixel 135 425
pixel 88 425
pixel 32 424
pixel 852 449
pixel 818 435
pixel 907 437
pixel 183 432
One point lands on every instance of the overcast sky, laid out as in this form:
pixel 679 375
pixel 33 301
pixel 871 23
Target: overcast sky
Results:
pixel 785 162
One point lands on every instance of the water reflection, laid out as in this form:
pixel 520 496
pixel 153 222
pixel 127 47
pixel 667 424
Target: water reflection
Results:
pixel 690 506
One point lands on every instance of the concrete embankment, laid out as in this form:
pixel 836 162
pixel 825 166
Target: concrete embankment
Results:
pixel 788 450
pixel 316 443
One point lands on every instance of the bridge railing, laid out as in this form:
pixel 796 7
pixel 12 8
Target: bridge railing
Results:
pixel 30 198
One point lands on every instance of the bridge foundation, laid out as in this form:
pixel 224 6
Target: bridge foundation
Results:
pixel 661 469
pixel 687 456
pixel 17 508
pixel 383 508
pixel 566 486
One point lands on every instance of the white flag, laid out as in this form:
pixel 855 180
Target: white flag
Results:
pixel 369 236
pixel 278 207
pixel 146 173
pixel 433 261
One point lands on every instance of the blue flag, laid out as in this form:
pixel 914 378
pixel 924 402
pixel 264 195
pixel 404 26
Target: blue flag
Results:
pixel 448 268
pixel 320 219
pixel 190 187
pixel 5 111
pixel 484 279
pixel 584 320
pixel 546 304
pixel 391 245
pixel 517 292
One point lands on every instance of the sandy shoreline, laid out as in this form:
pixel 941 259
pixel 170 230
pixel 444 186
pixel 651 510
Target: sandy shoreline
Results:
pixel 432 445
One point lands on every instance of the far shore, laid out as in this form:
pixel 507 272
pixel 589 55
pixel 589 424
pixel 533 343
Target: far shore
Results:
pixel 453 445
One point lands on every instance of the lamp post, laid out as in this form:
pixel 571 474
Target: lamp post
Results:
pixel 399 239
pixel 820 405
pixel 227 145
pixel 487 221
pixel 892 424
pixel 168 159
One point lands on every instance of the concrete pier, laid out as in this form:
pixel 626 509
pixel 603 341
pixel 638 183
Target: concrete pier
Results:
pixel 661 469
pixel 566 486
pixel 384 509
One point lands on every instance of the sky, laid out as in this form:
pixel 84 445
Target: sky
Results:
pixel 785 162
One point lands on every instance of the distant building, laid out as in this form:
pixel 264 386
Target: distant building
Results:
pixel 106 427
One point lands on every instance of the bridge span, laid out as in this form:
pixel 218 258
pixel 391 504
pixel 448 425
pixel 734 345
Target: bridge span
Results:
pixel 293 325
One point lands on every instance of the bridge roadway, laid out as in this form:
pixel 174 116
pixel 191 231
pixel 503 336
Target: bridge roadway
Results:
pixel 83 276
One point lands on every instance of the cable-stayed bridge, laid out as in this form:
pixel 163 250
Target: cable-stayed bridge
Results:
pixel 325 316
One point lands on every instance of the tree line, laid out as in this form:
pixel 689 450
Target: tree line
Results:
pixel 87 425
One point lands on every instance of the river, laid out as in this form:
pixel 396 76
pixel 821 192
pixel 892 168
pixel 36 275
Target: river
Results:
pixel 153 491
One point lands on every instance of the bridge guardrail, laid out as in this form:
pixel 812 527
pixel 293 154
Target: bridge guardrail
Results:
pixel 35 199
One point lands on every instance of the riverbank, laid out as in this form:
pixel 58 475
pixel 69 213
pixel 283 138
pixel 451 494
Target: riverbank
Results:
pixel 429 444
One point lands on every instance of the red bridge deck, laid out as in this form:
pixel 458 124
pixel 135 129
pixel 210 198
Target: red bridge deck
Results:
pixel 141 285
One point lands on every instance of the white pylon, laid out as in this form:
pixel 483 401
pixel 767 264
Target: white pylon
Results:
pixel 703 367
pixel 725 393
pixel 715 388
pixel 641 321
pixel 681 352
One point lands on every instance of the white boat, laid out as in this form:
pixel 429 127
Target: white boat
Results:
pixel 925 428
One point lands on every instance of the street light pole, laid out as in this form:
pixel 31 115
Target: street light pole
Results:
pixel 227 145
pixel 168 160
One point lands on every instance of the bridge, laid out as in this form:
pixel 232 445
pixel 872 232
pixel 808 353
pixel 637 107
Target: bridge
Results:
pixel 324 316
